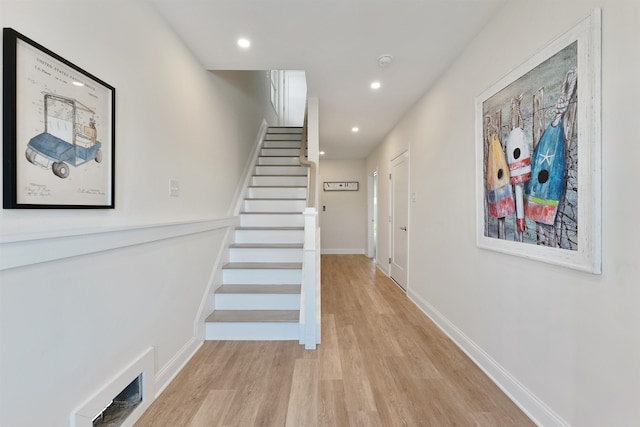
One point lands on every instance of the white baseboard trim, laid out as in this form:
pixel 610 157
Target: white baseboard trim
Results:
pixel 169 371
pixel 358 251
pixel 530 404
pixel 215 280
pixel 238 197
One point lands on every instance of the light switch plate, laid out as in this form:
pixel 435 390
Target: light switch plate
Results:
pixel 174 188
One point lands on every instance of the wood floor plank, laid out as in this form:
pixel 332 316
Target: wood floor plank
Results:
pixel 365 419
pixel 359 395
pixel 382 362
pixel 248 376
pixel 332 408
pixel 277 385
pixel 329 359
pixel 213 409
pixel 303 401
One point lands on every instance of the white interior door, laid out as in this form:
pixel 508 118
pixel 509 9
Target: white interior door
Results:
pixel 399 235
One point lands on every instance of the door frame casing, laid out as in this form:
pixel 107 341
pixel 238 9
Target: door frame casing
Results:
pixel 372 190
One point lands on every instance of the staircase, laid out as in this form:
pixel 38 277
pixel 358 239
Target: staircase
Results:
pixel 259 298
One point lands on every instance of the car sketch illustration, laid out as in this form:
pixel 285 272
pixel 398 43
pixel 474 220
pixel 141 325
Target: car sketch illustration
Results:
pixel 69 136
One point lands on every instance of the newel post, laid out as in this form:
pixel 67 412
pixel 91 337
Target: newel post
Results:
pixel 310 280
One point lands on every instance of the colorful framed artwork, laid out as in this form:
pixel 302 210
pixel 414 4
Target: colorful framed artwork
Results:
pixel 58 130
pixel 538 154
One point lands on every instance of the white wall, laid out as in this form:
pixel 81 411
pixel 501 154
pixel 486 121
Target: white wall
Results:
pixel 567 338
pixel 344 222
pixel 67 326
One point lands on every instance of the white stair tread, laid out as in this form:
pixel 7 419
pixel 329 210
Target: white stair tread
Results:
pixel 254 316
pixel 277 186
pixel 270 228
pixel 267 245
pixel 279 174
pixel 274 128
pixel 282 164
pixel 271 213
pixel 285 136
pixel 263 266
pixel 283 176
pixel 258 289
pixel 277 198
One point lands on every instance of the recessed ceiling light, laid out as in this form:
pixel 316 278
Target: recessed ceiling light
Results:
pixel 79 84
pixel 355 129
pixel 375 85
pixel 244 43
pixel 322 153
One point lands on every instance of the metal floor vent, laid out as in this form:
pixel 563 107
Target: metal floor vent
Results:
pixel 114 414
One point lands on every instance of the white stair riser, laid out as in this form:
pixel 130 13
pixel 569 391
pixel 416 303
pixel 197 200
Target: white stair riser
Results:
pixel 282 137
pixel 269 236
pixel 265 181
pixel 294 206
pixel 237 331
pixel 257 302
pixel 277 129
pixel 279 152
pixel 271 220
pixel 277 192
pixel 281 144
pixel 258 276
pixel 288 160
pixel 265 255
pixel 281 170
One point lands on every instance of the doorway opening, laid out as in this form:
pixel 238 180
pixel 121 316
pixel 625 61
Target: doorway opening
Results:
pixel 372 223
pixel 289 96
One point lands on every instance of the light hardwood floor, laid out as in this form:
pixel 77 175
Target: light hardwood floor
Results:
pixel 382 362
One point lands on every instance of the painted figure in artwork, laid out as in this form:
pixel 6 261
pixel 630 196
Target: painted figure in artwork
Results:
pixel 519 159
pixel 546 188
pixel 499 194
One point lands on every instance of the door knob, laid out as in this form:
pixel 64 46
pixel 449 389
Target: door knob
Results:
pixel 403 228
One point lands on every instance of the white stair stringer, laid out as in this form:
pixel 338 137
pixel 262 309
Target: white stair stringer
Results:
pixel 259 298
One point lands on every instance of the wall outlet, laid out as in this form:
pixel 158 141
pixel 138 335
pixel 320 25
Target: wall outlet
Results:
pixel 174 188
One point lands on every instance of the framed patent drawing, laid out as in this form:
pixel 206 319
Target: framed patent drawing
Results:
pixel 58 130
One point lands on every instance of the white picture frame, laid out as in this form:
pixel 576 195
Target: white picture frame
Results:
pixel 571 237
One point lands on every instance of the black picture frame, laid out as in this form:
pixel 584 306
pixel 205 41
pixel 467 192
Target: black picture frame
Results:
pixel 58 131
pixel 340 186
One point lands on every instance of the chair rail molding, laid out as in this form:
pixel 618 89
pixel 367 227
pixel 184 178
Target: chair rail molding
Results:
pixel 28 249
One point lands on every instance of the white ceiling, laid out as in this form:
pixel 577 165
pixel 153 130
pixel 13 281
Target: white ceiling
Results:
pixel 337 43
